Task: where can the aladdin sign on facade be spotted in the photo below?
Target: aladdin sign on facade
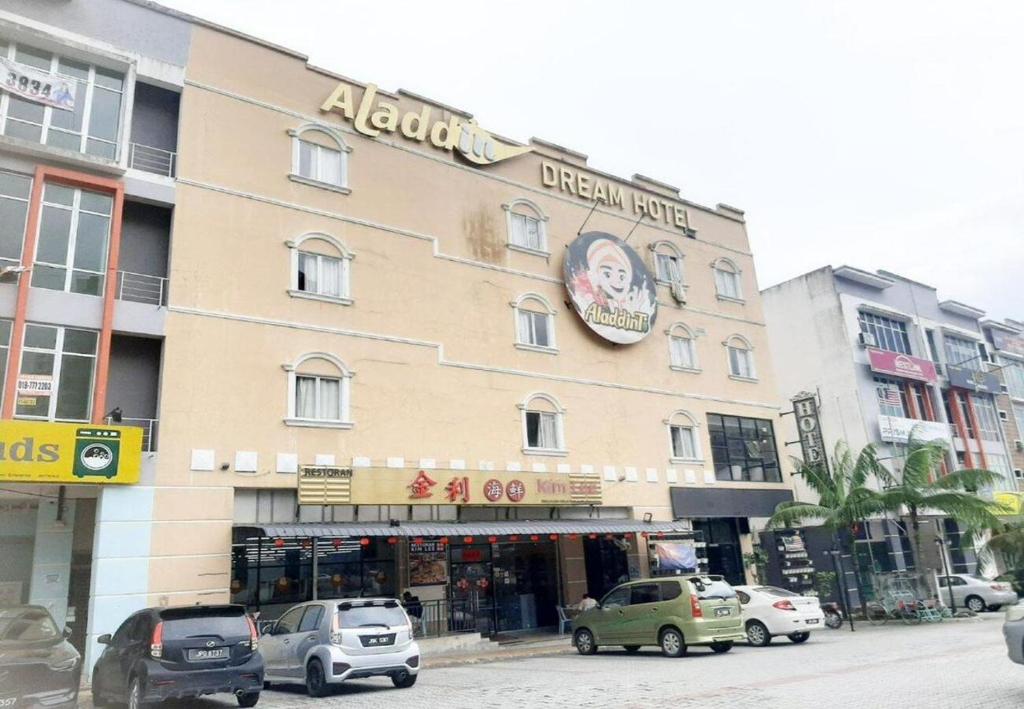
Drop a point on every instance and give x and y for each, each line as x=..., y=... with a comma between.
x=901, y=365
x=372, y=117
x=610, y=287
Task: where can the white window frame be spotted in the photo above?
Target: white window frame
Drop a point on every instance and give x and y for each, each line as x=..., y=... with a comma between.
x=343, y=254
x=684, y=419
x=76, y=211
x=559, y=414
x=525, y=205
x=680, y=331
x=58, y=355
x=522, y=342
x=294, y=370
x=740, y=344
x=727, y=268
x=667, y=248
x=342, y=148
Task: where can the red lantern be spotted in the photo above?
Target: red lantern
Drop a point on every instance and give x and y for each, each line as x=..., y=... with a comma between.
x=514, y=538
x=392, y=540
x=364, y=542
x=534, y=538
x=443, y=540
x=574, y=537
x=592, y=536
x=278, y=543
x=336, y=543
x=553, y=537
x=643, y=534
x=629, y=535
x=467, y=540
x=492, y=539
x=417, y=540
x=661, y=535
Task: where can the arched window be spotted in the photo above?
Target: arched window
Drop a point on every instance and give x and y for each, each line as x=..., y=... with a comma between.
x=668, y=263
x=727, y=279
x=527, y=227
x=682, y=348
x=320, y=157
x=318, y=391
x=543, y=420
x=741, y=357
x=320, y=268
x=535, y=323
x=683, y=438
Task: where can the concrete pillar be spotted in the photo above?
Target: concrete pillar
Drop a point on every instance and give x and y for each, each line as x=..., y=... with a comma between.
x=51, y=558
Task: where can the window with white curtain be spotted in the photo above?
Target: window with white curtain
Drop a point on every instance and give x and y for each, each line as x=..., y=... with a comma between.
x=682, y=348
x=318, y=391
x=683, y=442
x=321, y=268
x=526, y=225
x=526, y=232
x=741, y=358
x=543, y=426
x=541, y=430
x=727, y=279
x=534, y=323
x=320, y=274
x=320, y=157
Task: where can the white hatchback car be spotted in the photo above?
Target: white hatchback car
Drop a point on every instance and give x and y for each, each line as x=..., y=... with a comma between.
x=770, y=611
x=324, y=643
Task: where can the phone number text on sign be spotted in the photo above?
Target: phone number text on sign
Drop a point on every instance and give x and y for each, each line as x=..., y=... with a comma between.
x=34, y=85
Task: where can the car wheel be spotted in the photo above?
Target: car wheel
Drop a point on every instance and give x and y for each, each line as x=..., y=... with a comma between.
x=757, y=634
x=672, y=644
x=248, y=699
x=975, y=604
x=316, y=682
x=266, y=684
x=135, y=695
x=404, y=679
x=584, y=642
x=632, y=648
x=719, y=648
x=798, y=637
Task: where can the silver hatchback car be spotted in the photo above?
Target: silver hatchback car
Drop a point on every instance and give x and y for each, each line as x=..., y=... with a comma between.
x=325, y=643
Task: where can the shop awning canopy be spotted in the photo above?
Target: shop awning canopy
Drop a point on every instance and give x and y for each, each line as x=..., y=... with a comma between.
x=458, y=529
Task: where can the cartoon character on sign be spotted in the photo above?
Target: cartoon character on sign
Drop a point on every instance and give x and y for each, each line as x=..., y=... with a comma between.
x=515, y=490
x=457, y=488
x=63, y=97
x=493, y=490
x=420, y=487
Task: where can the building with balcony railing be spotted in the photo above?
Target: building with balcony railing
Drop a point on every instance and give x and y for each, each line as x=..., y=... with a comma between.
x=890, y=360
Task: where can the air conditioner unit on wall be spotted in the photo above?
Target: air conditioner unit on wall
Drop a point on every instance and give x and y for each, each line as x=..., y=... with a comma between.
x=1019, y=445
x=678, y=292
x=866, y=339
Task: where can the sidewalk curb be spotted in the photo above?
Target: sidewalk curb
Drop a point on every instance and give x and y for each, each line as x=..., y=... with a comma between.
x=497, y=656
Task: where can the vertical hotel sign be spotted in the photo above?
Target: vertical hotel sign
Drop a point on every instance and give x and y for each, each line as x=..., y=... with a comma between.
x=808, y=422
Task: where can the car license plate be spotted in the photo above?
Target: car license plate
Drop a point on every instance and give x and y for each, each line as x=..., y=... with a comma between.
x=378, y=640
x=812, y=621
x=723, y=611
x=217, y=653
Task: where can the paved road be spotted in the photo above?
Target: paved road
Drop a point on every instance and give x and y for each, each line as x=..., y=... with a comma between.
x=960, y=665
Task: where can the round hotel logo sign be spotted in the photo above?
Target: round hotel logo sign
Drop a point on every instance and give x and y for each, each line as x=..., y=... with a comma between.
x=610, y=287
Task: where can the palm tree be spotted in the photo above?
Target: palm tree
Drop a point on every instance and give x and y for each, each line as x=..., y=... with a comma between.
x=1007, y=543
x=920, y=486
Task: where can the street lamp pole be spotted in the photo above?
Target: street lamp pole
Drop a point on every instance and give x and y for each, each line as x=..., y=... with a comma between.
x=941, y=543
x=837, y=564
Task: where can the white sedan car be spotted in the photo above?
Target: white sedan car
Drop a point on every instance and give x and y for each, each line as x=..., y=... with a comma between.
x=770, y=611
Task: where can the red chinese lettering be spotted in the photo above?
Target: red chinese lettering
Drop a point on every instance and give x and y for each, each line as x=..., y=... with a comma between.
x=515, y=490
x=493, y=490
x=456, y=489
x=420, y=487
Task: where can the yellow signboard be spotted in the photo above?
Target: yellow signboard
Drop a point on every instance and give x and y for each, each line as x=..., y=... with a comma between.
x=404, y=486
x=69, y=453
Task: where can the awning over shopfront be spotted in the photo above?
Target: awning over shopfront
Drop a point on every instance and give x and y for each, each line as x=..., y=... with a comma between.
x=459, y=529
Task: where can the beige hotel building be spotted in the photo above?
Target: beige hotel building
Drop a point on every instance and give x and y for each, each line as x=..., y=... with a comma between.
x=398, y=350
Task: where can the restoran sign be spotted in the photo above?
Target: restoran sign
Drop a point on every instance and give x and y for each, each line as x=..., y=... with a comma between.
x=68, y=453
x=372, y=117
x=403, y=486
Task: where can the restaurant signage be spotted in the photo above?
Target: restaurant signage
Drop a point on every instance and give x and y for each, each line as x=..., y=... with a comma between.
x=973, y=380
x=402, y=486
x=610, y=287
x=901, y=365
x=371, y=117
x=895, y=429
x=69, y=453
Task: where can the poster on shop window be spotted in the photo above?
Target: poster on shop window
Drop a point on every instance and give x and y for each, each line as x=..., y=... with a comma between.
x=428, y=564
x=610, y=287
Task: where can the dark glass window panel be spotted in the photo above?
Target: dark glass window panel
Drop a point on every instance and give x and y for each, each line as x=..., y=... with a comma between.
x=105, y=114
x=80, y=341
x=75, y=388
x=533, y=429
x=33, y=57
x=86, y=283
x=12, y=227
x=50, y=277
x=91, y=242
x=14, y=185
x=100, y=149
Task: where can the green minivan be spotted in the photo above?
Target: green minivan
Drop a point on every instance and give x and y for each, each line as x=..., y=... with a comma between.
x=671, y=613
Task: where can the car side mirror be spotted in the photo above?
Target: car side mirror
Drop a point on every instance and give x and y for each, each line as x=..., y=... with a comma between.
x=104, y=639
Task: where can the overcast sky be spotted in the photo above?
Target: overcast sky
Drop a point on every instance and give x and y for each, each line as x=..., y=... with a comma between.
x=875, y=134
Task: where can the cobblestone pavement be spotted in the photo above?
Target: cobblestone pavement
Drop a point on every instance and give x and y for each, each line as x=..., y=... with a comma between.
x=958, y=664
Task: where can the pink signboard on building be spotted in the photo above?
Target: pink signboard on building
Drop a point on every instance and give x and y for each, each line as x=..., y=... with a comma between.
x=902, y=365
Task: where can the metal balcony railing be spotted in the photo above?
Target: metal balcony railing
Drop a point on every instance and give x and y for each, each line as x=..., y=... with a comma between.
x=149, y=159
x=141, y=288
x=149, y=431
